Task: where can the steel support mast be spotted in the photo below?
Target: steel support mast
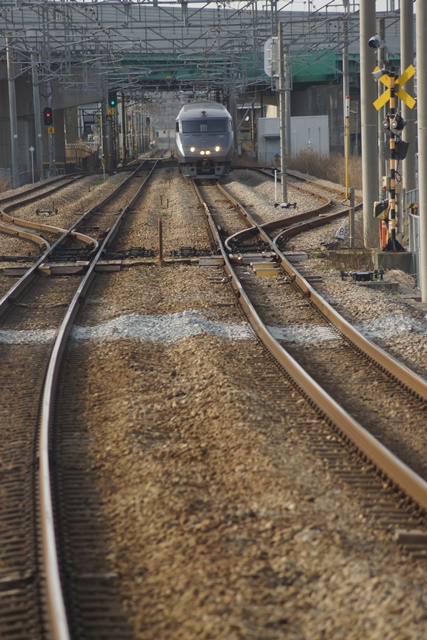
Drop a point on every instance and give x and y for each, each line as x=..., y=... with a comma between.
x=421, y=47
x=369, y=124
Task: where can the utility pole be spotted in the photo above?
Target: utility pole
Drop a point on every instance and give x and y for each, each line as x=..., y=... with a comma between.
x=421, y=48
x=369, y=124
x=124, y=154
x=282, y=115
x=107, y=132
x=37, y=115
x=346, y=94
x=51, y=134
x=382, y=56
x=12, y=116
x=407, y=59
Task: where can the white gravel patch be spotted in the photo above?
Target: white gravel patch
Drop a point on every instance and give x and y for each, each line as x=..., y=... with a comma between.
x=300, y=334
x=173, y=327
x=388, y=327
x=167, y=328
x=27, y=337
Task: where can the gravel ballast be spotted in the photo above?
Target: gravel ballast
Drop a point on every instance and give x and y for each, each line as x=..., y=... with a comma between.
x=222, y=521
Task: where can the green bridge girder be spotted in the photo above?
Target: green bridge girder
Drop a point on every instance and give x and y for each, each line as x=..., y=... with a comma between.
x=308, y=67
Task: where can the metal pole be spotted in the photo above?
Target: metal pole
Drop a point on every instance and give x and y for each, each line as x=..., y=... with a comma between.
x=13, y=117
x=124, y=154
x=421, y=48
x=233, y=111
x=368, y=124
x=351, y=219
x=50, y=136
x=107, y=144
x=409, y=115
x=282, y=115
x=32, y=163
x=347, y=143
x=288, y=88
x=381, y=112
x=37, y=118
x=345, y=74
x=345, y=25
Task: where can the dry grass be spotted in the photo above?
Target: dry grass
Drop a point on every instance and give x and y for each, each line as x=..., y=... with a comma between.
x=4, y=185
x=325, y=167
x=349, y=260
x=328, y=167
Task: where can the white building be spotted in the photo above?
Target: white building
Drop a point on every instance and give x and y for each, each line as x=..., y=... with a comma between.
x=307, y=132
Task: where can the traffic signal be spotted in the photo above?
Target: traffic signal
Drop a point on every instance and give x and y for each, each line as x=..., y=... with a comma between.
x=398, y=123
x=112, y=98
x=147, y=121
x=48, y=116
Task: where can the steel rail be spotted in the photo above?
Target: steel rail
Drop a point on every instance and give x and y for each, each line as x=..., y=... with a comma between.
x=25, y=281
x=33, y=191
x=315, y=183
x=397, y=471
x=298, y=223
x=69, y=179
x=41, y=226
x=55, y=599
x=401, y=373
x=298, y=176
x=25, y=235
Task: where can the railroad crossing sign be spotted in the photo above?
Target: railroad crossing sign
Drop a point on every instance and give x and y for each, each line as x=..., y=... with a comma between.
x=399, y=92
x=393, y=125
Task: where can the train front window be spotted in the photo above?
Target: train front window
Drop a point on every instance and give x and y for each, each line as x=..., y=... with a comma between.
x=218, y=125
x=214, y=125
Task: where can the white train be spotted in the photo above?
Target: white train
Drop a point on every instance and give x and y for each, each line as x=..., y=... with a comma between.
x=204, y=140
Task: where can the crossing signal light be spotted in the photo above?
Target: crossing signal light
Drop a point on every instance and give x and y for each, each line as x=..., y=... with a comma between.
x=398, y=123
x=112, y=98
x=48, y=116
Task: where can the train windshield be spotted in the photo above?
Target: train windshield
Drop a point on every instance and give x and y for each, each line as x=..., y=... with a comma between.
x=212, y=125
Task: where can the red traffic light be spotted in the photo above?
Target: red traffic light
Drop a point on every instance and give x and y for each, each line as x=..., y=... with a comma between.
x=48, y=116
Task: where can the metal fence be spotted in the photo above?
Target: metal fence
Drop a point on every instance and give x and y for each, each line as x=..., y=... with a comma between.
x=412, y=198
x=414, y=245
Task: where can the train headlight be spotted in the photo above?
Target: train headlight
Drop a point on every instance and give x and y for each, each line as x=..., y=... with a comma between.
x=217, y=149
x=192, y=149
x=202, y=153
x=208, y=153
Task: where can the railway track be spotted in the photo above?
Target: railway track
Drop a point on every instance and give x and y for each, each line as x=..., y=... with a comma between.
x=14, y=226
x=43, y=309
x=172, y=437
x=325, y=355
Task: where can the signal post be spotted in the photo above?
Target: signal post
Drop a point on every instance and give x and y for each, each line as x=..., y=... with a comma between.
x=48, y=123
x=386, y=210
x=109, y=118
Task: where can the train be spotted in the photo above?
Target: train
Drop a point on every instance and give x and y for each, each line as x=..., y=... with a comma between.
x=204, y=140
